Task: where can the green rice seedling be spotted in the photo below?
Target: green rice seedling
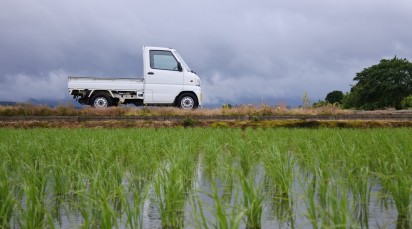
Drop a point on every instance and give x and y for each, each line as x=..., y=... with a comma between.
x=360, y=184
x=336, y=215
x=225, y=216
x=200, y=219
x=98, y=203
x=218, y=162
x=34, y=186
x=399, y=186
x=323, y=185
x=170, y=197
x=279, y=178
x=139, y=184
x=105, y=214
x=245, y=150
x=394, y=174
x=61, y=189
x=310, y=201
x=245, y=159
x=133, y=208
x=226, y=176
x=60, y=181
x=84, y=206
x=253, y=197
x=77, y=185
x=173, y=184
x=282, y=207
x=279, y=170
x=7, y=200
x=101, y=177
x=210, y=154
x=110, y=178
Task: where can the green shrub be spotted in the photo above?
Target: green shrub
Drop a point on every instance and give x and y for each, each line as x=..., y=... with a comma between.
x=189, y=122
x=406, y=103
x=320, y=103
x=255, y=118
x=227, y=106
x=219, y=125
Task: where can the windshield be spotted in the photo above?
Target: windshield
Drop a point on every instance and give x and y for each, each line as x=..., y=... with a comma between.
x=182, y=61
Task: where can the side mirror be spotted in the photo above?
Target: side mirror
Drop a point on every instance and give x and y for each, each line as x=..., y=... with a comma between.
x=179, y=67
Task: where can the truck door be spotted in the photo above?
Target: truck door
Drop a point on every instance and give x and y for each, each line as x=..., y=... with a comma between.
x=164, y=77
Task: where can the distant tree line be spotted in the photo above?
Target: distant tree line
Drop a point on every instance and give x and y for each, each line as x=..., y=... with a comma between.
x=384, y=85
x=6, y=103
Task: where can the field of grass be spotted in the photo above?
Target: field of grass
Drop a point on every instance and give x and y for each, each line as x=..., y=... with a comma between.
x=205, y=178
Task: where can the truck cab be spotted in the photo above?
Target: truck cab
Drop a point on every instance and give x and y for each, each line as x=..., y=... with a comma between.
x=167, y=77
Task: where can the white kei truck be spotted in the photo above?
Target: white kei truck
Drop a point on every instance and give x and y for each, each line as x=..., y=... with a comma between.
x=167, y=80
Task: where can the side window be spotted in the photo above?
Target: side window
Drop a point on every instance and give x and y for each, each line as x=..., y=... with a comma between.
x=163, y=60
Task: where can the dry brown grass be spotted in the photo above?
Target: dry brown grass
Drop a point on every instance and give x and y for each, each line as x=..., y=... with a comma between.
x=249, y=110
x=210, y=124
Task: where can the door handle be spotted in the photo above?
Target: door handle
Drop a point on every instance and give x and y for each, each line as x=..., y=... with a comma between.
x=150, y=73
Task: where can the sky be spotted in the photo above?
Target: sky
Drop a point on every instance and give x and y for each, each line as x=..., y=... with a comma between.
x=246, y=52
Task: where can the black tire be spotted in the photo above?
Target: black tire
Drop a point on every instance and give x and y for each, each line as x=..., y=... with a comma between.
x=187, y=101
x=101, y=101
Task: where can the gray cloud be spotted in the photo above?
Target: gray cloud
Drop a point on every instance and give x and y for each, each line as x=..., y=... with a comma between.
x=244, y=51
x=51, y=86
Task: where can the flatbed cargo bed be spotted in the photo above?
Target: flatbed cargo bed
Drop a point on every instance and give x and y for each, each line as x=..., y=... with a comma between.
x=97, y=83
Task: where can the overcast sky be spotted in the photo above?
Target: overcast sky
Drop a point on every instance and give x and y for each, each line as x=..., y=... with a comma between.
x=245, y=52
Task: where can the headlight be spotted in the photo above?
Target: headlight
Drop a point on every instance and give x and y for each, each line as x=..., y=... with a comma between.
x=197, y=82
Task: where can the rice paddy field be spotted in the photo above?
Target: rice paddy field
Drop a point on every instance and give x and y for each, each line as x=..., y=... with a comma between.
x=205, y=178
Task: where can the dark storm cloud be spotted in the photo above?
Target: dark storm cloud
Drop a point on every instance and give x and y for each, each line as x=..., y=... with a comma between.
x=244, y=51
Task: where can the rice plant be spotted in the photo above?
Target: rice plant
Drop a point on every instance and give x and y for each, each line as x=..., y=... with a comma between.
x=253, y=197
x=6, y=201
x=205, y=177
x=279, y=166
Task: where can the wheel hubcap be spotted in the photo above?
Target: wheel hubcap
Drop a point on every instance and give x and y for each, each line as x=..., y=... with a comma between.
x=100, y=102
x=187, y=102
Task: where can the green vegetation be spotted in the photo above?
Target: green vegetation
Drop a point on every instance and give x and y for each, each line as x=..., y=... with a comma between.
x=381, y=86
x=205, y=178
x=406, y=103
x=334, y=97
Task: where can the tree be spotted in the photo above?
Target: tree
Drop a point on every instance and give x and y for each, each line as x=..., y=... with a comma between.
x=334, y=97
x=382, y=85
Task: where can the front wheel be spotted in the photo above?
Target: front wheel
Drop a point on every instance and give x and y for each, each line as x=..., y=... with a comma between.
x=101, y=101
x=187, y=101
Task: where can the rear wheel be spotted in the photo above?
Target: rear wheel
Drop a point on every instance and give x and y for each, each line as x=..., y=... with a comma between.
x=101, y=101
x=187, y=101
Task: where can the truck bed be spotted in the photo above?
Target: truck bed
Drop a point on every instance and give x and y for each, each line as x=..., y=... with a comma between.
x=97, y=83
